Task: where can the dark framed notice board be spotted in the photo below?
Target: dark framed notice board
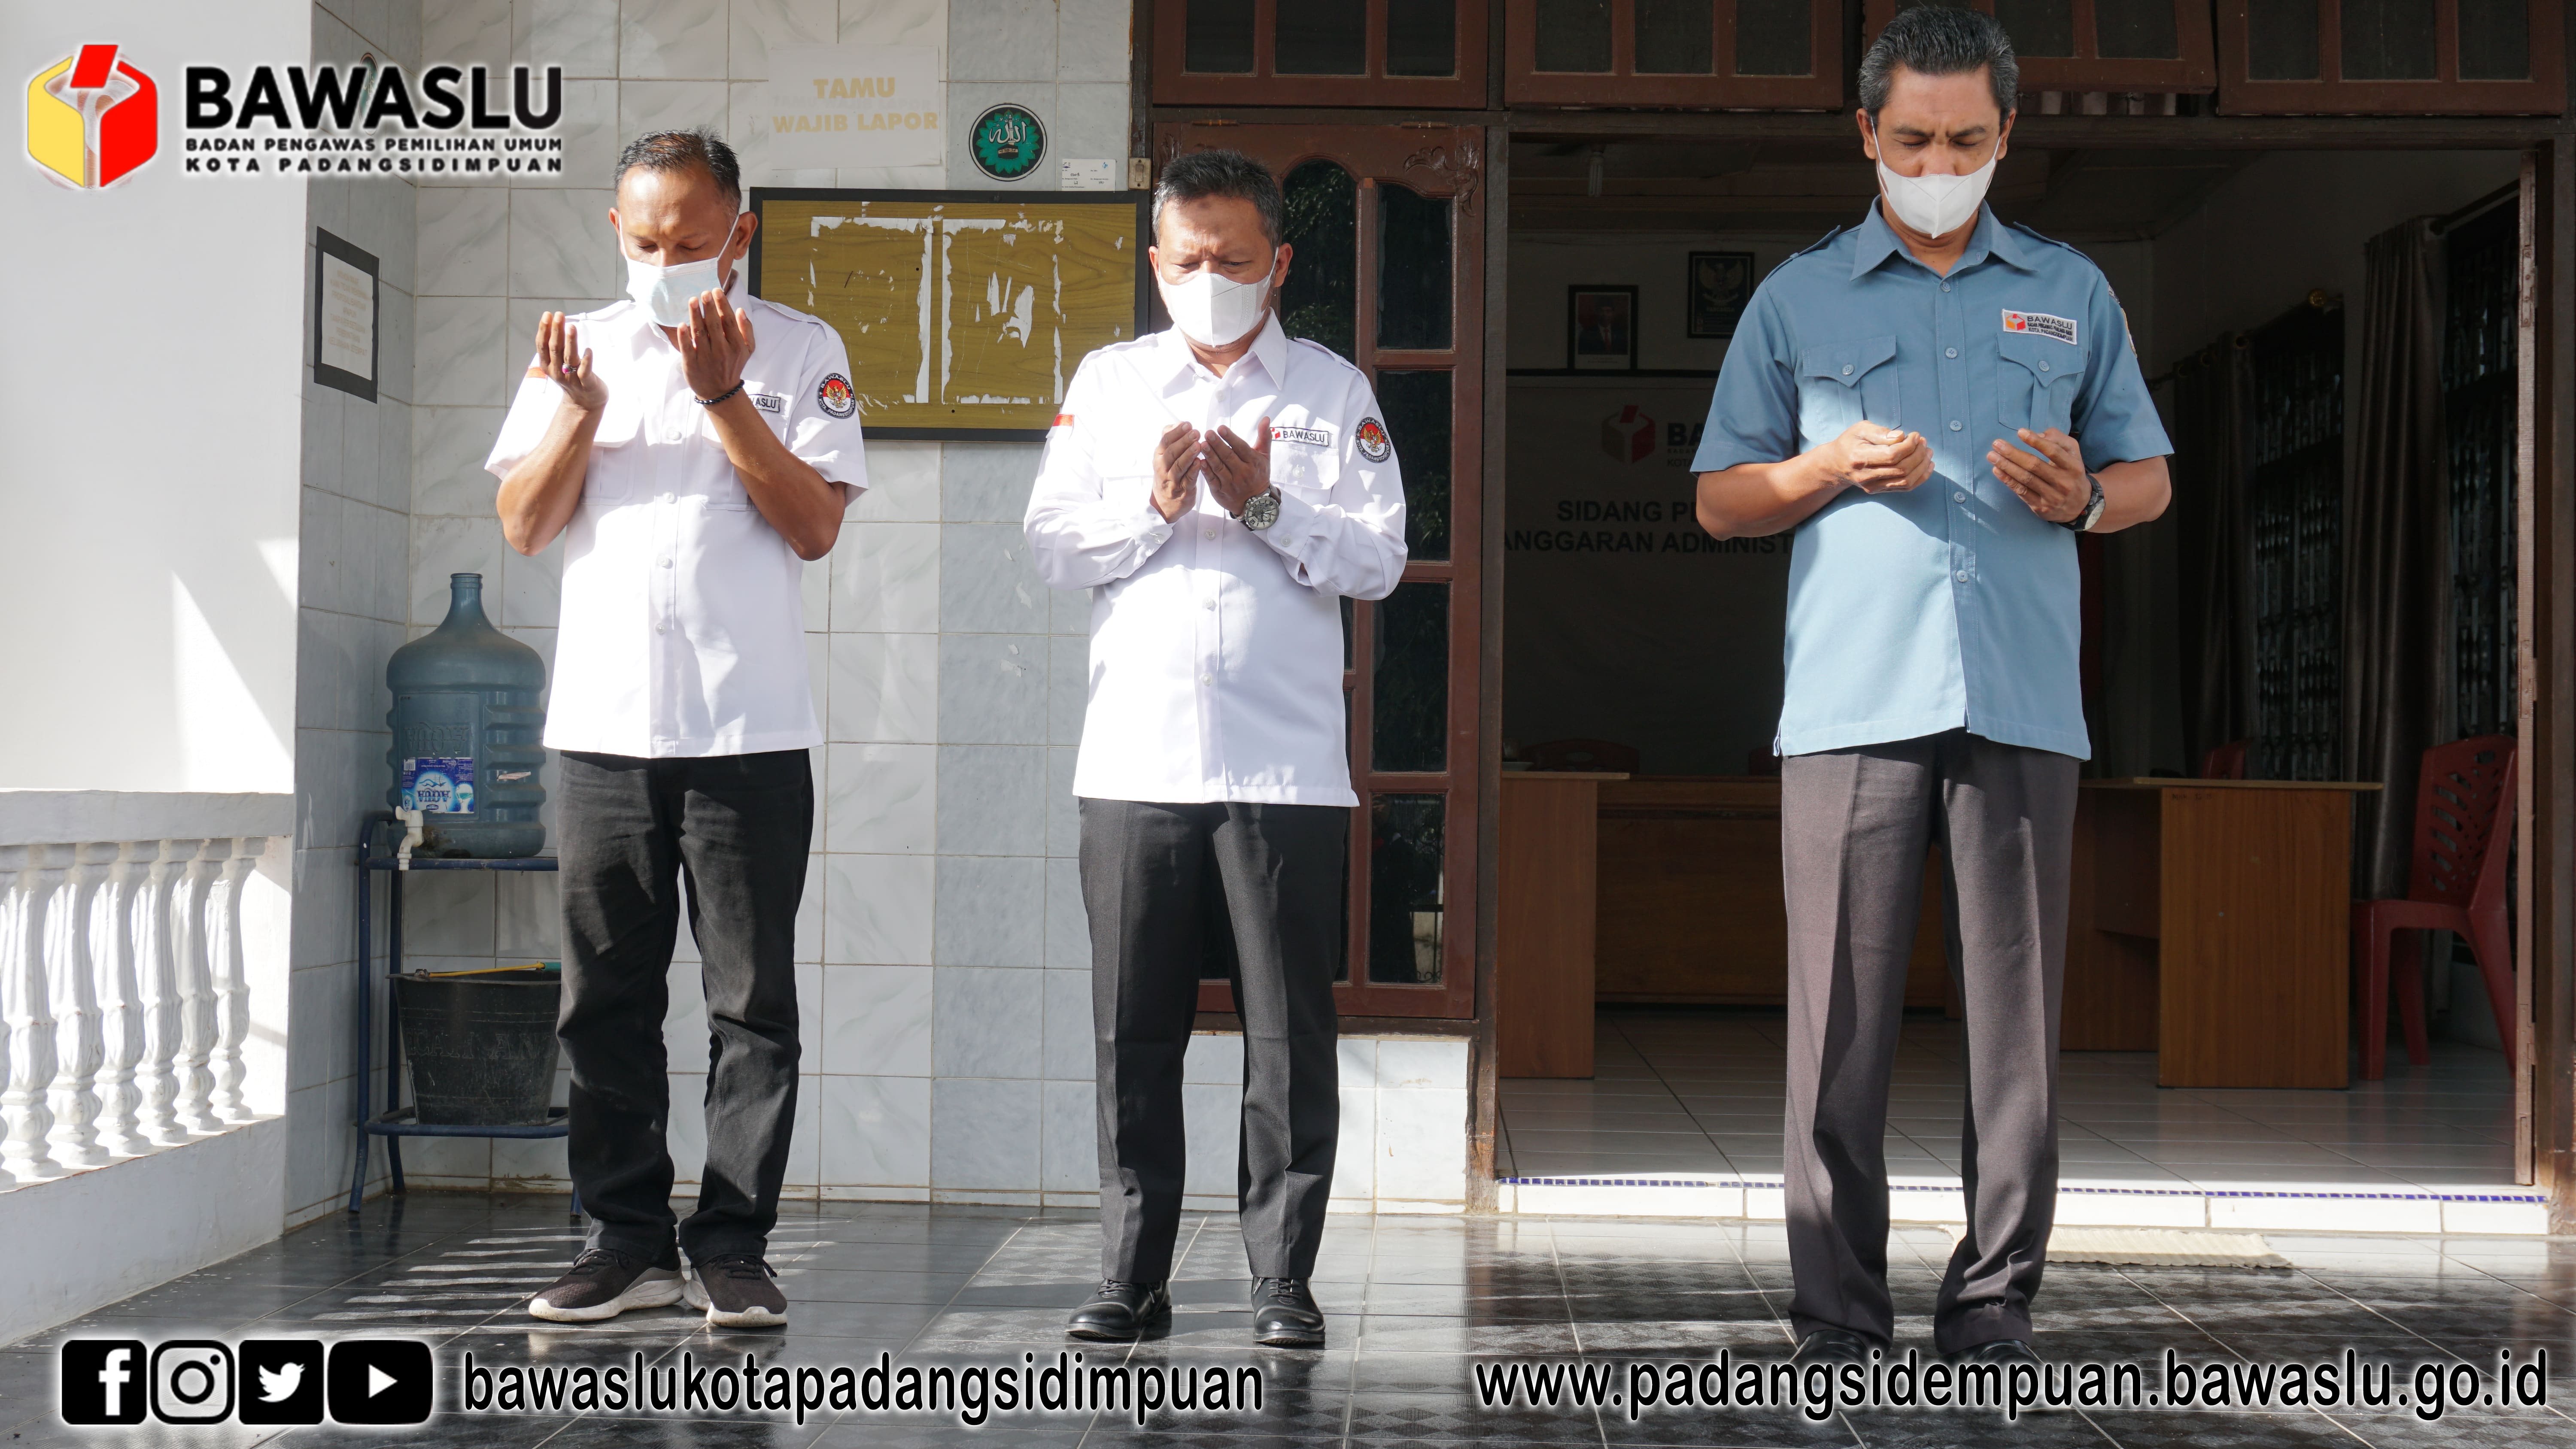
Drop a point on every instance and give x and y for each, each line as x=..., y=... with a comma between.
x=965, y=312
x=345, y=313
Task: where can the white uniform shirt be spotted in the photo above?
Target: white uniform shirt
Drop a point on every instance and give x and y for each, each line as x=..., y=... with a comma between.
x=1216, y=652
x=683, y=616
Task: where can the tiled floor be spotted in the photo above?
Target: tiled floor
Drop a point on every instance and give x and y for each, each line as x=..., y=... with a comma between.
x=1699, y=1091
x=1414, y=1304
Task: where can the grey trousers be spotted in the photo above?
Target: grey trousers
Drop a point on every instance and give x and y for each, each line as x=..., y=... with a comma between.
x=1854, y=828
x=1174, y=892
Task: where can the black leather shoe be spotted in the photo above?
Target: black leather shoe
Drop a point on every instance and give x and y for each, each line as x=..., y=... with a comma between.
x=1835, y=1345
x=1284, y=1314
x=2004, y=1351
x=1120, y=1312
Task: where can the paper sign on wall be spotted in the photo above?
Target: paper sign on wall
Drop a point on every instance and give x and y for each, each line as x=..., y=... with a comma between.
x=856, y=105
x=1074, y=175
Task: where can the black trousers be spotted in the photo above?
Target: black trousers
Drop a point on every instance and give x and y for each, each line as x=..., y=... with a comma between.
x=737, y=827
x=1172, y=890
x=1854, y=828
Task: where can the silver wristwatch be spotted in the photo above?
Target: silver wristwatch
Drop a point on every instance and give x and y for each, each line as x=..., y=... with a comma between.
x=1261, y=510
x=2092, y=514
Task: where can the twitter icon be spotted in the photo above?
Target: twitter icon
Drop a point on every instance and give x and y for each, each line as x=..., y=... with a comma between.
x=281, y=1381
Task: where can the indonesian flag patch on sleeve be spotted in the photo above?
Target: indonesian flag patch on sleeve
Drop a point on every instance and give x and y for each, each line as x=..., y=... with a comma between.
x=1062, y=420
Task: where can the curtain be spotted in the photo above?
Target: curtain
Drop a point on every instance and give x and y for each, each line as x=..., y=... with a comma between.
x=2210, y=401
x=2396, y=572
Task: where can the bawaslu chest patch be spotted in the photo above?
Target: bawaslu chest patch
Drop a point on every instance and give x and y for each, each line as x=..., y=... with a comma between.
x=2040, y=324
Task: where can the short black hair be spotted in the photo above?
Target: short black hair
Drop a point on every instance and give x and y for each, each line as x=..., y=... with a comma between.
x=1931, y=38
x=698, y=147
x=1223, y=173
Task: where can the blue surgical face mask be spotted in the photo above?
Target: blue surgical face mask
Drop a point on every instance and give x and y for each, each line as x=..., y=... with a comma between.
x=665, y=291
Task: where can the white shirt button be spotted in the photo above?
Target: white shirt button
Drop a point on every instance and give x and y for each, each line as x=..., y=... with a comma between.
x=666, y=563
x=1207, y=603
x=1846, y=369
x=1945, y=286
x=1211, y=533
x=1963, y=576
x=1953, y=352
x=1958, y=497
x=2043, y=367
x=1211, y=679
x=1955, y=425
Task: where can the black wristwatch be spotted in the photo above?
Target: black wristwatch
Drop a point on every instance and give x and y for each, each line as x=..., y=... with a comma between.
x=2092, y=514
x=1261, y=509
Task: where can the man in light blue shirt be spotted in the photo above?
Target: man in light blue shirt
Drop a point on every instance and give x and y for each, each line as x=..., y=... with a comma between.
x=1936, y=403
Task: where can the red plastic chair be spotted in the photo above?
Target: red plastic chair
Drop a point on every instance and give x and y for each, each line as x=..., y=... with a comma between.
x=2224, y=762
x=2463, y=838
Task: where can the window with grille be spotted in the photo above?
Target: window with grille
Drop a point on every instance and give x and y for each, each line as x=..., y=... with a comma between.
x=2482, y=260
x=1320, y=52
x=2295, y=500
x=1765, y=54
x=2093, y=45
x=2390, y=57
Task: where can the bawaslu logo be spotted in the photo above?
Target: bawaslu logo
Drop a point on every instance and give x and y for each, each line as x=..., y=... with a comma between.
x=92, y=117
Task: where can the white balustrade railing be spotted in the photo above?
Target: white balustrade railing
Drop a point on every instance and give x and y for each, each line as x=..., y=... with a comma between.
x=124, y=998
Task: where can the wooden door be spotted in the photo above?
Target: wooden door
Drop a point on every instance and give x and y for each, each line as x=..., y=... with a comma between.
x=1388, y=230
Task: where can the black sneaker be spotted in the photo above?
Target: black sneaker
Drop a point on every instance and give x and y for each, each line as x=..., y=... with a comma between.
x=1120, y=1312
x=738, y=1290
x=1835, y=1345
x=604, y=1283
x=1284, y=1314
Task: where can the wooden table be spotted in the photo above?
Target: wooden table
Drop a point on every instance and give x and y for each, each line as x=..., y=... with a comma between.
x=1691, y=904
x=1544, y=929
x=1652, y=889
x=2209, y=923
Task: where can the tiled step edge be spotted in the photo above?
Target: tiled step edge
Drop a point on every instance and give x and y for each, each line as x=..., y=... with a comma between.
x=2504, y=1209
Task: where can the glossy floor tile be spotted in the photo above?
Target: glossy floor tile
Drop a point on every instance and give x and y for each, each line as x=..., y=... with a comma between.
x=1698, y=1091
x=1423, y=1314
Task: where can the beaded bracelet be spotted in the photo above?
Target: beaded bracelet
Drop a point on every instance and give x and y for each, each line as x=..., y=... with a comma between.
x=708, y=402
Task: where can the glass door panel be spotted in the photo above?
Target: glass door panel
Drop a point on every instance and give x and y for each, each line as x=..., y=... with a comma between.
x=1388, y=272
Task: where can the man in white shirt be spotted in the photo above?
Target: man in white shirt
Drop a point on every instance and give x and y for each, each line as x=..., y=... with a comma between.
x=694, y=447
x=1220, y=489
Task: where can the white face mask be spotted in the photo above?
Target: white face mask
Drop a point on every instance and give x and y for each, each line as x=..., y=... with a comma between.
x=1937, y=205
x=1214, y=311
x=665, y=291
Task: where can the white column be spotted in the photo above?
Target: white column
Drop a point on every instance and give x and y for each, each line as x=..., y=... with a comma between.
x=116, y=943
x=71, y=982
x=190, y=940
x=231, y=982
x=25, y=1011
x=157, y=983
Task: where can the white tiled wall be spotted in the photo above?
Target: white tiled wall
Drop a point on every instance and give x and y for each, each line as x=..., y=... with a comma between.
x=353, y=600
x=945, y=967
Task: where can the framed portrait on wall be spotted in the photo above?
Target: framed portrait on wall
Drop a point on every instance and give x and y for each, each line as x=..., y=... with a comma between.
x=1719, y=285
x=1601, y=329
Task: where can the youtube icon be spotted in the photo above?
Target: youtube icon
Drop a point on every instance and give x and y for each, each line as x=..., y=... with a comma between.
x=380, y=1381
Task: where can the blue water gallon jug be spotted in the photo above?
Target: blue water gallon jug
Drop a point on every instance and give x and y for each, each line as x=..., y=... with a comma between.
x=467, y=733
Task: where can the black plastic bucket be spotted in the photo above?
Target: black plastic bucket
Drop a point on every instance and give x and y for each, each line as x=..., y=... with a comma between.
x=481, y=1044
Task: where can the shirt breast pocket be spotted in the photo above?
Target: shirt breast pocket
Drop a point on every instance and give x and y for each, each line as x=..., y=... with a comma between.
x=621, y=429
x=1842, y=383
x=1129, y=492
x=770, y=402
x=2037, y=384
x=1308, y=470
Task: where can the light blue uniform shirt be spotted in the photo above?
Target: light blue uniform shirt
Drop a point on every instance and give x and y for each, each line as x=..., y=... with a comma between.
x=1952, y=605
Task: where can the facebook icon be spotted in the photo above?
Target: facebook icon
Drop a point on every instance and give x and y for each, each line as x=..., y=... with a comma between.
x=102, y=1381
